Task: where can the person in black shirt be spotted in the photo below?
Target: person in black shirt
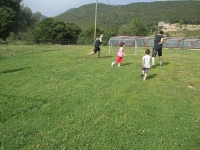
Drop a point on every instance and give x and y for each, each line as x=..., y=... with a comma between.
x=96, y=46
x=157, y=47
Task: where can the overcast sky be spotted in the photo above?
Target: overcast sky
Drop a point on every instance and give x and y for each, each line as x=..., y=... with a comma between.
x=52, y=8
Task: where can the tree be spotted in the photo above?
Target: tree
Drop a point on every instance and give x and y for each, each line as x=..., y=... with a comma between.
x=53, y=29
x=153, y=29
x=137, y=28
x=124, y=30
x=88, y=33
x=36, y=19
x=9, y=10
x=181, y=22
x=74, y=30
x=107, y=34
x=26, y=19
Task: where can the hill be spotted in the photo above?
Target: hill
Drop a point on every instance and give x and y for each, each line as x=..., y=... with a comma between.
x=42, y=17
x=151, y=13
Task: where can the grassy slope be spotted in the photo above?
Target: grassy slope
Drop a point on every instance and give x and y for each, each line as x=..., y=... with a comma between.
x=118, y=15
x=58, y=99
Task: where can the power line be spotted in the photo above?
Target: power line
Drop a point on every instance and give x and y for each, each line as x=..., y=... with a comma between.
x=113, y=11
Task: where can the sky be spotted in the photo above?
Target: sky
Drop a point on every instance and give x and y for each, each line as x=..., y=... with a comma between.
x=52, y=8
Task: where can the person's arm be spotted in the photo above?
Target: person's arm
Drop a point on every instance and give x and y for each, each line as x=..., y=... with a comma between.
x=142, y=63
x=161, y=41
x=121, y=51
x=100, y=38
x=123, y=54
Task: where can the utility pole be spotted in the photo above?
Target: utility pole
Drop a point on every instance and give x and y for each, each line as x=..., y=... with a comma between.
x=95, y=24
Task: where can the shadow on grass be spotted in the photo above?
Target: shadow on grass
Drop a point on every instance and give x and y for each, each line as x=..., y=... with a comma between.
x=125, y=64
x=1, y=57
x=106, y=56
x=38, y=103
x=151, y=76
x=163, y=64
x=14, y=70
x=102, y=57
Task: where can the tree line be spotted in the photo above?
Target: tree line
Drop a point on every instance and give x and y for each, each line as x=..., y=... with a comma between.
x=17, y=22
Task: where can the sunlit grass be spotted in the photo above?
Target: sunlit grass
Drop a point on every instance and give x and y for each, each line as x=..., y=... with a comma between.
x=52, y=97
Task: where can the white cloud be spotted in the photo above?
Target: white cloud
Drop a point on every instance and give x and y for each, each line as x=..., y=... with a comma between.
x=51, y=8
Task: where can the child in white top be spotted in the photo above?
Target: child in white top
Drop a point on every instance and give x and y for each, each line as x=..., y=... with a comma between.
x=120, y=55
x=146, y=64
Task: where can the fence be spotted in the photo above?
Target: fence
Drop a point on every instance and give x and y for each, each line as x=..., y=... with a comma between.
x=139, y=41
x=49, y=42
x=168, y=42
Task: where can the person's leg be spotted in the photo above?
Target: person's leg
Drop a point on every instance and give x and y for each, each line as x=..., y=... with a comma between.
x=153, y=57
x=94, y=52
x=116, y=61
x=142, y=72
x=112, y=64
x=98, y=50
x=145, y=75
x=161, y=60
x=91, y=53
x=99, y=54
x=152, y=61
x=146, y=70
x=120, y=61
x=160, y=56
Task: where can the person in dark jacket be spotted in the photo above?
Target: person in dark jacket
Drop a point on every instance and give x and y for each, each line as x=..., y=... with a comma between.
x=158, y=41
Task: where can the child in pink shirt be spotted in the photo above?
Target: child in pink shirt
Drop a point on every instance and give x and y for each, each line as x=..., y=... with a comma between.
x=120, y=55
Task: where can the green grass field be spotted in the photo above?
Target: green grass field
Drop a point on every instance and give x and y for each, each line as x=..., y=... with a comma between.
x=52, y=97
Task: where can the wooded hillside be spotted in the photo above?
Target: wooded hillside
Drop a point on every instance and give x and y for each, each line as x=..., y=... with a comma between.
x=149, y=12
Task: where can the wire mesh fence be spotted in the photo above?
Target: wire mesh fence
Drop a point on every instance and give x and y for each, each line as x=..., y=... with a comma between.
x=149, y=42
x=131, y=41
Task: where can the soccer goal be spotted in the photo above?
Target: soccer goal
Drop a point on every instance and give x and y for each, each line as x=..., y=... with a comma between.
x=130, y=45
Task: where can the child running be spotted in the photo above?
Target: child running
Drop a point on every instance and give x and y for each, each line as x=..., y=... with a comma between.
x=145, y=64
x=120, y=55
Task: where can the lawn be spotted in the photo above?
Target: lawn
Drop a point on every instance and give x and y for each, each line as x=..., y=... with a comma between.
x=52, y=97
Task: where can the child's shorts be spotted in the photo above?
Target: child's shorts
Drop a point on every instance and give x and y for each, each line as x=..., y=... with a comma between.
x=146, y=70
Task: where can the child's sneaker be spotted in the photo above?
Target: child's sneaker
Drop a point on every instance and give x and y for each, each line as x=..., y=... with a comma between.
x=112, y=63
x=119, y=65
x=160, y=63
x=152, y=66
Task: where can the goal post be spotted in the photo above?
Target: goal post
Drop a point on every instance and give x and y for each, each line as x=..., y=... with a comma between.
x=130, y=45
